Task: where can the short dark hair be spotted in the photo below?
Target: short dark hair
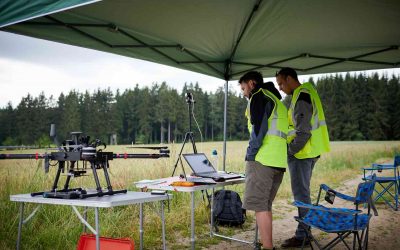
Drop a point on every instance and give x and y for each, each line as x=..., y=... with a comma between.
x=252, y=75
x=287, y=72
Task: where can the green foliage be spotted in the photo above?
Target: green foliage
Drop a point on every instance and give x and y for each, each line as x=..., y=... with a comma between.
x=141, y=115
x=9, y=141
x=360, y=107
x=43, y=141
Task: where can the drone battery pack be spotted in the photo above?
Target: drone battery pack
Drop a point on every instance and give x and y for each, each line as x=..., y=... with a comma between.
x=88, y=242
x=158, y=192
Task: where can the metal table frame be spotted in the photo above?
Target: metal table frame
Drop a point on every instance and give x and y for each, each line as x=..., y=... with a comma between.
x=94, y=202
x=163, y=185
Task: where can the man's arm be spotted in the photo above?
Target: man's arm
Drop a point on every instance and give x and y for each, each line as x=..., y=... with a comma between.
x=302, y=116
x=260, y=110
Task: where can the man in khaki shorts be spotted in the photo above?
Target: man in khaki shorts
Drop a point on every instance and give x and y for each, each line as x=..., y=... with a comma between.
x=266, y=156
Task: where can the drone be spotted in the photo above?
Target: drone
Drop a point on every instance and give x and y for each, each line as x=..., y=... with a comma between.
x=81, y=149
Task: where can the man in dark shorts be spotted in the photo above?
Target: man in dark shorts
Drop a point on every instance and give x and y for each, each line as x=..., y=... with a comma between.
x=266, y=156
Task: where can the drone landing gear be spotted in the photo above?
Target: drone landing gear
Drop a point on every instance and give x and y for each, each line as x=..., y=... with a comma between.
x=79, y=193
x=99, y=191
x=65, y=194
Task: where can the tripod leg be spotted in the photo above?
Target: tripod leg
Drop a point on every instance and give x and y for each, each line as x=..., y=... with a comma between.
x=183, y=169
x=191, y=137
x=180, y=153
x=188, y=136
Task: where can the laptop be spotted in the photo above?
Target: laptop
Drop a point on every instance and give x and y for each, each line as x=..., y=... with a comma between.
x=202, y=167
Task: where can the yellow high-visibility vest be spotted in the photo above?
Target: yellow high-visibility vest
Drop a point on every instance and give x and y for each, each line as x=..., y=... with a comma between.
x=273, y=151
x=319, y=140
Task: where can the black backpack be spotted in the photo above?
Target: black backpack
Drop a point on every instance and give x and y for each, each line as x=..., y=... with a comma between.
x=228, y=208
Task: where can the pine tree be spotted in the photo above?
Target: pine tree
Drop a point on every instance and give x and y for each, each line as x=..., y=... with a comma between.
x=71, y=116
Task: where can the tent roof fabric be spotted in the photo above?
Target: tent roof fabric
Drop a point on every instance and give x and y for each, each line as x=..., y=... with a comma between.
x=18, y=11
x=224, y=38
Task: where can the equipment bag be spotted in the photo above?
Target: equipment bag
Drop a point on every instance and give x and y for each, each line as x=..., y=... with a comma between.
x=227, y=208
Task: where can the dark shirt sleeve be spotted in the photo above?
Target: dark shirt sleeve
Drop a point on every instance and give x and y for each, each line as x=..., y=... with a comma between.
x=260, y=110
x=302, y=116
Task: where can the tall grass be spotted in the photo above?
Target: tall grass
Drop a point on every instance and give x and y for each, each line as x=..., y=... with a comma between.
x=57, y=227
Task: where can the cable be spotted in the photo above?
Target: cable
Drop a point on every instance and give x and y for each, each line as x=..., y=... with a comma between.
x=198, y=127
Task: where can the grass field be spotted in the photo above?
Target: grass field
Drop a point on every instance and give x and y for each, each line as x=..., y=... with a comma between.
x=57, y=227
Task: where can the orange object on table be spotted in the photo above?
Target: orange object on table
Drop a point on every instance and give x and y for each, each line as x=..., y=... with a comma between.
x=182, y=184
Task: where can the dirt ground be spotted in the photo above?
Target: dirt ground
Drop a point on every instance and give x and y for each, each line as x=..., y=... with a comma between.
x=384, y=228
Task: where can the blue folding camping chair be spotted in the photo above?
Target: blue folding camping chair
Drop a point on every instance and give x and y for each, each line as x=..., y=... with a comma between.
x=342, y=221
x=388, y=179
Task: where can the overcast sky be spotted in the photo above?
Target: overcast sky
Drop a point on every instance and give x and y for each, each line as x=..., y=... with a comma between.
x=29, y=65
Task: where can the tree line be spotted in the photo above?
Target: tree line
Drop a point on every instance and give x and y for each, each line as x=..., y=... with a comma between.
x=361, y=107
x=357, y=107
x=152, y=114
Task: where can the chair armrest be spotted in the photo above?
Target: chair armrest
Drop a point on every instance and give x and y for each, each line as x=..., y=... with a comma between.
x=326, y=209
x=383, y=166
x=338, y=194
x=379, y=167
x=371, y=168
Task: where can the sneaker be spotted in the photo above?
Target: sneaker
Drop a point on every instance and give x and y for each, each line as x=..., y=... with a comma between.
x=260, y=247
x=294, y=242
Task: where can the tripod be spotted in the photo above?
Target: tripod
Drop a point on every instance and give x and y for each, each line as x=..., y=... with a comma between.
x=188, y=135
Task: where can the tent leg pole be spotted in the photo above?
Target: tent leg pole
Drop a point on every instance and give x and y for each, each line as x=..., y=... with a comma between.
x=225, y=123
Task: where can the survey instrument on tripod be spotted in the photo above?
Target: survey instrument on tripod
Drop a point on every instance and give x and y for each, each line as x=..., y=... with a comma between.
x=188, y=135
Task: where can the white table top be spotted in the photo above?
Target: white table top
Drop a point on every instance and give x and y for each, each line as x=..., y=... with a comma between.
x=164, y=184
x=105, y=201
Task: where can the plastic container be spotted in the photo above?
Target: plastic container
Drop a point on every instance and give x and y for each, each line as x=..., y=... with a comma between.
x=214, y=159
x=88, y=242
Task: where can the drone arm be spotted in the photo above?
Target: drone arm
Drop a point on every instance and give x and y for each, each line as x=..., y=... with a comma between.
x=140, y=156
x=22, y=156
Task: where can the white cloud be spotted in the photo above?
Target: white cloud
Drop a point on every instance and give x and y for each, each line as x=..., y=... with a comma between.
x=18, y=78
x=29, y=65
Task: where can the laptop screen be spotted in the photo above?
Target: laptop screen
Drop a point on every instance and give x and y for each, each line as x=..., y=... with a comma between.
x=199, y=163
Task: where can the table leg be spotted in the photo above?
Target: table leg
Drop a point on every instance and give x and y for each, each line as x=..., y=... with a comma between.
x=21, y=219
x=141, y=226
x=96, y=216
x=256, y=237
x=163, y=225
x=192, y=239
x=85, y=218
x=212, y=212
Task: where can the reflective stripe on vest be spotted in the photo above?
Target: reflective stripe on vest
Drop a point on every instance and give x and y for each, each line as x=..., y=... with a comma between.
x=315, y=126
x=247, y=114
x=273, y=130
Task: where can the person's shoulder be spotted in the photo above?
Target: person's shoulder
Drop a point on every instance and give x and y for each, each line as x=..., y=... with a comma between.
x=304, y=96
x=259, y=95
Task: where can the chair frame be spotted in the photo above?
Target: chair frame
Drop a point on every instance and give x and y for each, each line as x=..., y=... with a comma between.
x=360, y=239
x=386, y=182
